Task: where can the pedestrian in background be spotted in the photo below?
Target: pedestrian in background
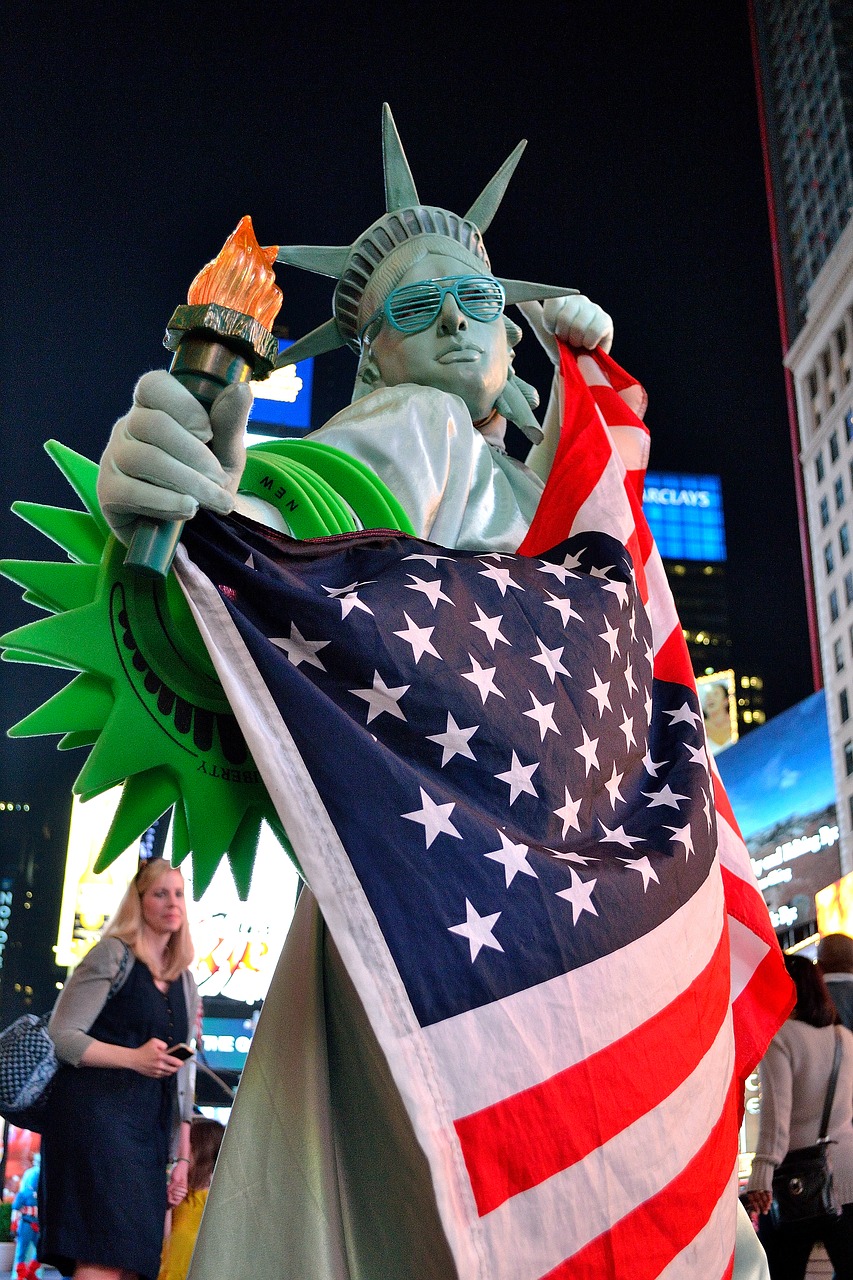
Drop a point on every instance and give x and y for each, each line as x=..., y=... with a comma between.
x=205, y=1140
x=794, y=1075
x=121, y=1105
x=835, y=957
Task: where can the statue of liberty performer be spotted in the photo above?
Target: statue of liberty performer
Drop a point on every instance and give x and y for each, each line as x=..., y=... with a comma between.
x=329, y=1169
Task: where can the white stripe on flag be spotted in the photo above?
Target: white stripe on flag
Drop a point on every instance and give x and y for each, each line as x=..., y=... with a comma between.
x=624, y=990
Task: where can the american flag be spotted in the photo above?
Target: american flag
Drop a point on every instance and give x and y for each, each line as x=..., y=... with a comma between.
x=493, y=771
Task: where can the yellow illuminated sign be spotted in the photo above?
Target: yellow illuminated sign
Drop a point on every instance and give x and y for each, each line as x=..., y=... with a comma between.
x=835, y=906
x=88, y=900
x=719, y=709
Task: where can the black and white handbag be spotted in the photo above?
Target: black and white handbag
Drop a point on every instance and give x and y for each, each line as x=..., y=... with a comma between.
x=28, y=1063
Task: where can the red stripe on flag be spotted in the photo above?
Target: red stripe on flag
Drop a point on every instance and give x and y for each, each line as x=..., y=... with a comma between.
x=672, y=661
x=722, y=804
x=646, y=1240
x=745, y=903
x=759, y=1010
x=582, y=454
x=519, y=1142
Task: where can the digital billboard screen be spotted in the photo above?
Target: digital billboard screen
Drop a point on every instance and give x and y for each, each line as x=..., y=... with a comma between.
x=685, y=514
x=282, y=404
x=779, y=780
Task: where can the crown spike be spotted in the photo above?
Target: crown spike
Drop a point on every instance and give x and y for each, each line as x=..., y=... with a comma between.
x=322, y=259
x=400, y=192
x=488, y=201
x=527, y=291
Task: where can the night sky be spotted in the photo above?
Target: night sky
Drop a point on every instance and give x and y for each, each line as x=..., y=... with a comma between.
x=133, y=145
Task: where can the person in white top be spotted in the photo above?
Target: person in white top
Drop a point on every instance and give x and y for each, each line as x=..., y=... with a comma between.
x=794, y=1075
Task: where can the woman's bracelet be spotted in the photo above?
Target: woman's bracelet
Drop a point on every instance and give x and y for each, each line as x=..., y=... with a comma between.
x=178, y=1160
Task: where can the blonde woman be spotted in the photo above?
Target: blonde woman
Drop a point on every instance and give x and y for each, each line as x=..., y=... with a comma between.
x=116, y=1138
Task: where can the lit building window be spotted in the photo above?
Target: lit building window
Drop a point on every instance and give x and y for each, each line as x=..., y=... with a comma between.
x=838, y=652
x=824, y=512
x=833, y=605
x=844, y=539
x=829, y=557
x=833, y=447
x=839, y=492
x=818, y=467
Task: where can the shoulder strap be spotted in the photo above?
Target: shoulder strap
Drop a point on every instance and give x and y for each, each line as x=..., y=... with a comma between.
x=830, y=1092
x=119, y=980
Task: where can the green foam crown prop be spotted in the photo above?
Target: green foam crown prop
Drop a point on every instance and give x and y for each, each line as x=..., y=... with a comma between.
x=146, y=699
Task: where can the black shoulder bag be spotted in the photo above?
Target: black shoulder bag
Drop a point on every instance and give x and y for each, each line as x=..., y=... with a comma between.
x=802, y=1183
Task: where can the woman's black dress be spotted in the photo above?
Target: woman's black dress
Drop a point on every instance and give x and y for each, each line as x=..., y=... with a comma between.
x=102, y=1190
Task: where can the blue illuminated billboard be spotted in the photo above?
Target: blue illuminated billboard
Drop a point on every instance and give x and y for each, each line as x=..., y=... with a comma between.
x=282, y=404
x=685, y=514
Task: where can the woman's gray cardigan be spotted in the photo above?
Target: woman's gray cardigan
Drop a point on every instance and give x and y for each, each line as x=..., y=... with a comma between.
x=85, y=995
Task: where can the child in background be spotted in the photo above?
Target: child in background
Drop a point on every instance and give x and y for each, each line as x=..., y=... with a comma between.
x=205, y=1140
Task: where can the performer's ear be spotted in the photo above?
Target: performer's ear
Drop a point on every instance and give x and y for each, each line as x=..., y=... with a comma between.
x=368, y=378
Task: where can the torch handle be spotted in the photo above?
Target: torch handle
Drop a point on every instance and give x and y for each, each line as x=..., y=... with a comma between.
x=204, y=364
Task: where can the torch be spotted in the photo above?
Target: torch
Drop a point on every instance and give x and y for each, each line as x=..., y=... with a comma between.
x=222, y=335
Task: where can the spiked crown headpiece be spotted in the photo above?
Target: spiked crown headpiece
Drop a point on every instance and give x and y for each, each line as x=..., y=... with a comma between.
x=357, y=267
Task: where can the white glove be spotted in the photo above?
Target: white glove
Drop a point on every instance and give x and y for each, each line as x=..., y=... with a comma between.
x=574, y=320
x=157, y=462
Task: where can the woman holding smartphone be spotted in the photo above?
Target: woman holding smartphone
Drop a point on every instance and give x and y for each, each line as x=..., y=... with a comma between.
x=116, y=1136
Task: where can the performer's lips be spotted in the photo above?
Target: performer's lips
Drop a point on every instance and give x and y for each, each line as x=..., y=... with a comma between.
x=463, y=354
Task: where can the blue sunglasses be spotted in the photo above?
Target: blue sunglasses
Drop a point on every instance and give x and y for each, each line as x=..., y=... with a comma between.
x=414, y=307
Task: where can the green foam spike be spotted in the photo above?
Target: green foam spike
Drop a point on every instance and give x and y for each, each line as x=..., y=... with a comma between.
x=82, y=474
x=60, y=586
x=36, y=659
x=180, y=837
x=75, y=531
x=242, y=850
x=81, y=634
x=84, y=704
x=144, y=798
x=86, y=738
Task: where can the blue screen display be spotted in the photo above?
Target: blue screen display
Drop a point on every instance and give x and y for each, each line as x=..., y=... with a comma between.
x=685, y=514
x=283, y=400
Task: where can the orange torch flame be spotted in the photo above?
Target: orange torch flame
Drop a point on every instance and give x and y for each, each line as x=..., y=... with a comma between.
x=240, y=277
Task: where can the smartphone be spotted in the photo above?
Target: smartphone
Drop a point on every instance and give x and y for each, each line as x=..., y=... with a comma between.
x=182, y=1051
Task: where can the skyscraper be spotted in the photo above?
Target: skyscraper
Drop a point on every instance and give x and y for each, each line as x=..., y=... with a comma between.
x=803, y=56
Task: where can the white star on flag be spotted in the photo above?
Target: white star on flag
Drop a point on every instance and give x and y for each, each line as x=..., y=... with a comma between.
x=589, y=750
x=501, y=577
x=250, y=562
x=431, y=560
x=682, y=835
x=569, y=813
x=612, y=787
x=627, y=727
x=483, y=678
x=560, y=571
x=618, y=835
x=610, y=636
x=380, y=698
x=629, y=677
x=595, y=572
x=478, y=930
x=684, y=715
x=551, y=660
x=454, y=741
x=645, y=869
x=572, y=857
x=579, y=894
x=431, y=589
x=697, y=755
x=601, y=692
x=651, y=766
x=543, y=714
x=434, y=818
x=348, y=599
x=564, y=607
x=706, y=809
x=618, y=589
x=491, y=628
x=298, y=649
x=517, y=778
x=513, y=858
x=666, y=796
x=418, y=638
